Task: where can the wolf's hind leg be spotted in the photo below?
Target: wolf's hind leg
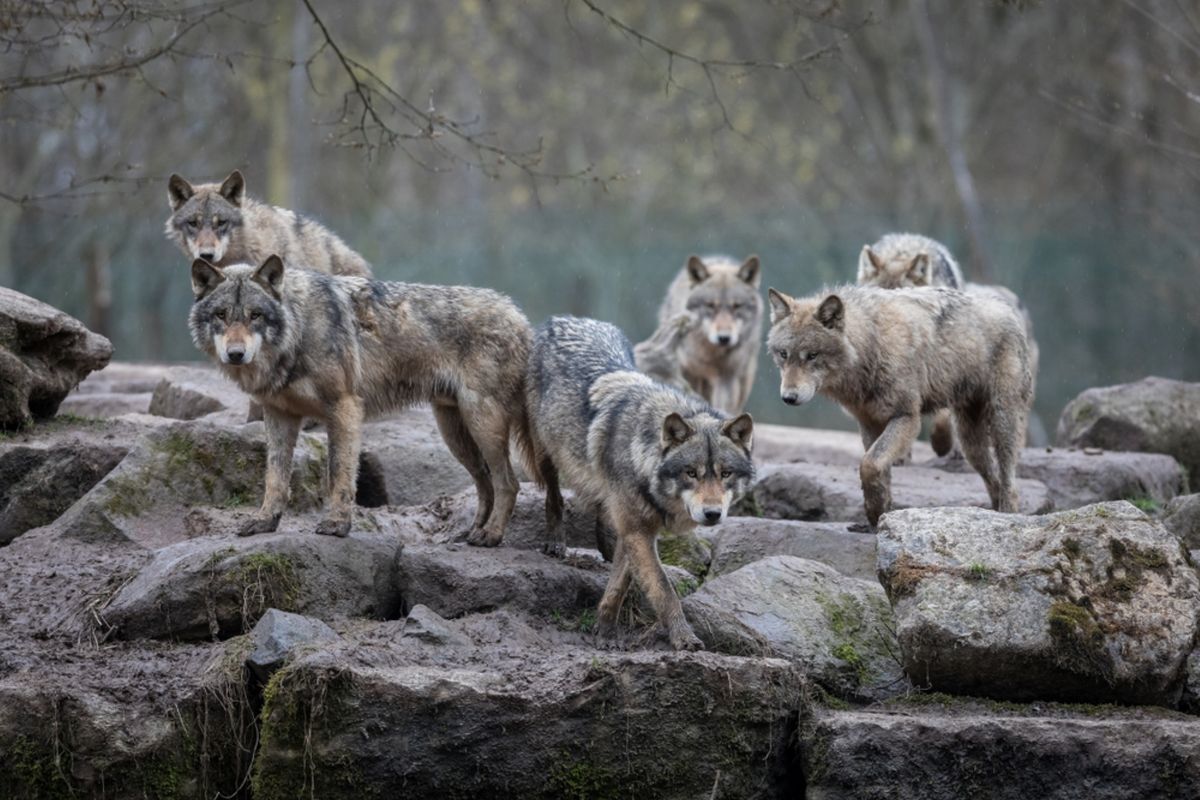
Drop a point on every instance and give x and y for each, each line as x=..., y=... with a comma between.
x=974, y=435
x=345, y=441
x=941, y=434
x=489, y=425
x=556, y=537
x=614, y=594
x=875, y=471
x=460, y=444
x=282, y=430
x=1007, y=434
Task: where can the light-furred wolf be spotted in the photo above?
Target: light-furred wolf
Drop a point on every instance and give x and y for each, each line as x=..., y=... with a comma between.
x=887, y=356
x=220, y=224
x=719, y=356
x=909, y=260
x=649, y=456
x=306, y=344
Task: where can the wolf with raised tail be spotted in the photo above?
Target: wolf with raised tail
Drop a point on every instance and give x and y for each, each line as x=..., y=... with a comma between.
x=647, y=455
x=337, y=349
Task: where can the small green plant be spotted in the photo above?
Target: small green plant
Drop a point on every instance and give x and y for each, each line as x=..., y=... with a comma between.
x=1147, y=505
x=978, y=572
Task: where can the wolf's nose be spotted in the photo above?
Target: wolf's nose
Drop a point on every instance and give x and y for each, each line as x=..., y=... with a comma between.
x=724, y=338
x=236, y=356
x=208, y=257
x=792, y=399
x=712, y=516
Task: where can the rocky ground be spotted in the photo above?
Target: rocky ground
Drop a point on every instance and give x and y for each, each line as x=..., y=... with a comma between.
x=146, y=651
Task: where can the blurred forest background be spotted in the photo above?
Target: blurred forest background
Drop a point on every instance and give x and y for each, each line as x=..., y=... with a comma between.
x=572, y=153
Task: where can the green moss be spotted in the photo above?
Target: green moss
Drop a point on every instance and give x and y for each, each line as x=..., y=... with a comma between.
x=854, y=642
x=685, y=550
x=32, y=769
x=1147, y=505
x=580, y=780
x=1079, y=642
x=127, y=497
x=977, y=571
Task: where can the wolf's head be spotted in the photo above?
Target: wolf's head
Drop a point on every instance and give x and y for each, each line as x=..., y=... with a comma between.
x=237, y=310
x=808, y=343
x=706, y=463
x=894, y=270
x=724, y=299
x=206, y=219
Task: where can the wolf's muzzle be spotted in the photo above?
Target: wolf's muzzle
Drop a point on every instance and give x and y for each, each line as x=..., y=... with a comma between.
x=236, y=353
x=712, y=516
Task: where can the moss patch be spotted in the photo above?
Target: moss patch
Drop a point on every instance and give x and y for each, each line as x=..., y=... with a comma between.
x=1078, y=640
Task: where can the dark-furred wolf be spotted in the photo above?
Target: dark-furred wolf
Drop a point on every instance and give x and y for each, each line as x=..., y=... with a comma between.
x=220, y=224
x=887, y=356
x=306, y=344
x=649, y=456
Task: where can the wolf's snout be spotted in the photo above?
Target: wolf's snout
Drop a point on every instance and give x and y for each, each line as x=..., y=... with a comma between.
x=236, y=354
x=208, y=255
x=724, y=339
x=791, y=398
x=712, y=516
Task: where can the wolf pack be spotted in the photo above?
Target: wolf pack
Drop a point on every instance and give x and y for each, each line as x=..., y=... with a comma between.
x=652, y=436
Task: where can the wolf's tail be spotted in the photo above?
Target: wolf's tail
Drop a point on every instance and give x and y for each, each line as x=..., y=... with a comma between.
x=531, y=453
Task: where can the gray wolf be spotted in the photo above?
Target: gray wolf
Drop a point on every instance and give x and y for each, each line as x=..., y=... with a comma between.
x=909, y=260
x=719, y=357
x=220, y=224
x=887, y=356
x=649, y=456
x=658, y=355
x=337, y=348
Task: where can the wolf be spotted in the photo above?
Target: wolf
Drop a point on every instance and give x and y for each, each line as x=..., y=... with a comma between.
x=339, y=348
x=887, y=356
x=220, y=224
x=719, y=357
x=910, y=260
x=649, y=456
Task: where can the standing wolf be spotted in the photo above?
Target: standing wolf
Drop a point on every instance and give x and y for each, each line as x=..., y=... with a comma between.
x=719, y=356
x=305, y=344
x=909, y=260
x=887, y=356
x=648, y=455
x=220, y=224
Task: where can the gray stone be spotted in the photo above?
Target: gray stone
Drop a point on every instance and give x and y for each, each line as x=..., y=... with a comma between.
x=1097, y=604
x=104, y=405
x=189, y=393
x=786, y=444
x=743, y=540
x=838, y=630
x=408, y=461
x=1155, y=415
x=276, y=637
x=216, y=587
x=815, y=492
x=872, y=755
x=1182, y=518
x=425, y=624
x=37, y=484
x=449, y=518
x=44, y=354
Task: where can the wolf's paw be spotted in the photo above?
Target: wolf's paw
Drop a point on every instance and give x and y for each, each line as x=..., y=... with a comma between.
x=555, y=549
x=334, y=526
x=259, y=523
x=682, y=638
x=860, y=527
x=482, y=537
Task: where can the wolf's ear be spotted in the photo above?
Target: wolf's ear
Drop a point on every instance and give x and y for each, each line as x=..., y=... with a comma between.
x=918, y=269
x=205, y=278
x=178, y=191
x=696, y=270
x=270, y=275
x=749, y=271
x=831, y=313
x=740, y=430
x=234, y=188
x=675, y=431
x=781, y=305
x=869, y=264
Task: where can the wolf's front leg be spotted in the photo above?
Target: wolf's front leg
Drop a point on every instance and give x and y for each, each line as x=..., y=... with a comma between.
x=876, y=468
x=282, y=429
x=614, y=595
x=345, y=440
x=637, y=540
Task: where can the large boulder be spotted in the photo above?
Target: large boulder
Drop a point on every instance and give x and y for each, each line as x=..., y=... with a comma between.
x=941, y=755
x=1154, y=415
x=743, y=540
x=192, y=392
x=217, y=587
x=815, y=492
x=554, y=721
x=1182, y=518
x=1099, y=604
x=44, y=354
x=837, y=629
x=405, y=457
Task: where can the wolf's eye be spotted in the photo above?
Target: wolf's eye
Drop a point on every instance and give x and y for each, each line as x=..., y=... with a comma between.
x=193, y=223
x=809, y=356
x=725, y=473
x=256, y=315
x=220, y=224
x=735, y=307
x=691, y=473
x=781, y=353
x=711, y=306
x=219, y=314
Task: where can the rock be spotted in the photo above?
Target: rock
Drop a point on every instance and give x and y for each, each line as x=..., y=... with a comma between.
x=105, y=405
x=687, y=550
x=1182, y=518
x=816, y=492
x=179, y=465
x=44, y=354
x=743, y=540
x=836, y=629
x=124, y=377
x=1154, y=415
x=457, y=579
x=216, y=587
x=1080, y=477
x=1098, y=604
x=411, y=461
x=870, y=755
x=424, y=624
x=571, y=722
x=785, y=444
x=1191, y=684
x=192, y=392
x=276, y=637
x=449, y=518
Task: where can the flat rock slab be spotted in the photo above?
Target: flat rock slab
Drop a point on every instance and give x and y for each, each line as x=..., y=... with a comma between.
x=189, y=393
x=1155, y=415
x=567, y=723
x=744, y=540
x=872, y=755
x=787, y=444
x=838, y=630
x=104, y=405
x=1098, y=604
x=818, y=492
x=217, y=587
x=44, y=354
x=1079, y=477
